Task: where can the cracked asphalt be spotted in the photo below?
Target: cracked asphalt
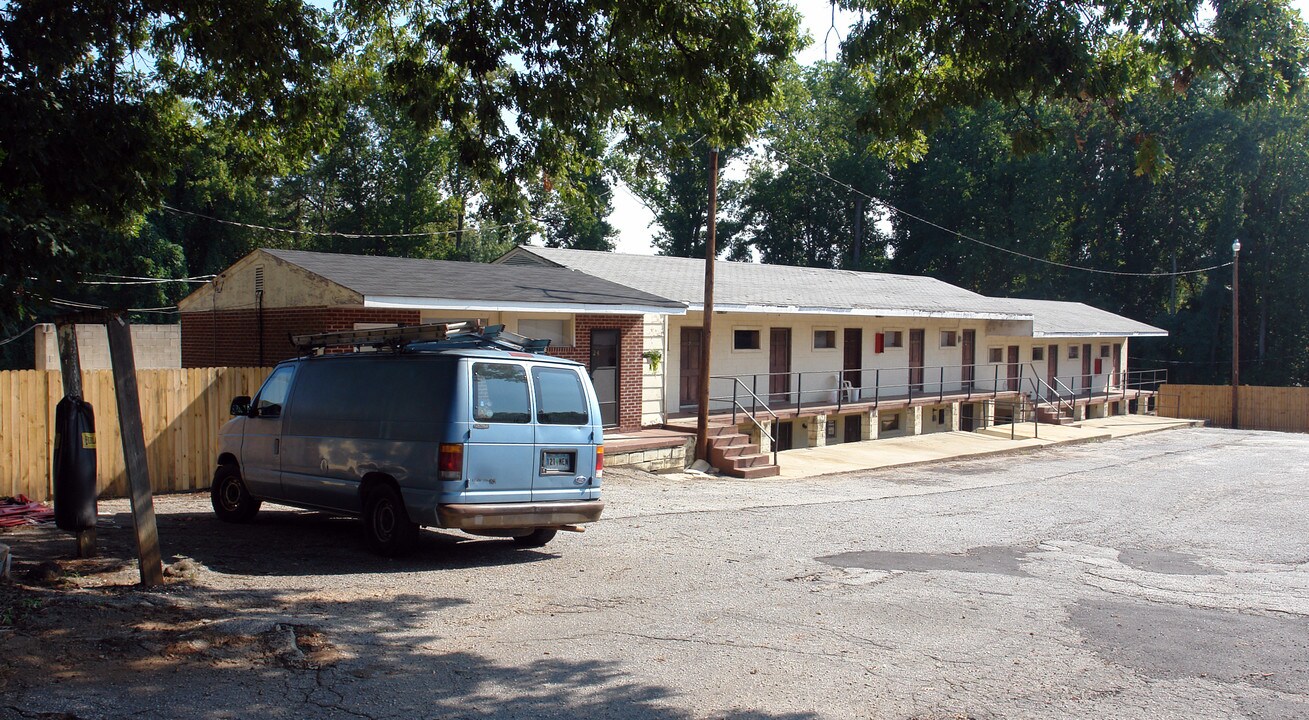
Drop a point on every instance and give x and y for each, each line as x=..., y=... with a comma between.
x=1156, y=576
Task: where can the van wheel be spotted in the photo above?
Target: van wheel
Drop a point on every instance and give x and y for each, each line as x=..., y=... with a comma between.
x=386, y=523
x=536, y=538
x=232, y=502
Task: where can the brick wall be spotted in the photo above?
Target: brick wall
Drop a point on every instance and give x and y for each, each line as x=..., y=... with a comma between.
x=230, y=338
x=631, y=344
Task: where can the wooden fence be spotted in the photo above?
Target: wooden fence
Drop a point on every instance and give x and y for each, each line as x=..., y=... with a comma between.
x=181, y=410
x=1261, y=408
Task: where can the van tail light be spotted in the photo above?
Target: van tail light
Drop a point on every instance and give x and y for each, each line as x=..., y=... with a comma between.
x=450, y=461
x=599, y=460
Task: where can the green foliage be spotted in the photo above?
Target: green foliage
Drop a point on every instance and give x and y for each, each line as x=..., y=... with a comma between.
x=1231, y=173
x=670, y=174
x=794, y=214
x=100, y=104
x=930, y=56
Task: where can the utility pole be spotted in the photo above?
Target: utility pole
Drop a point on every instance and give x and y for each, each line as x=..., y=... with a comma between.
x=710, y=255
x=1236, y=331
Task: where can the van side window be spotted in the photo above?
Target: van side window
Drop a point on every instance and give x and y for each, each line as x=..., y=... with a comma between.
x=500, y=394
x=560, y=399
x=272, y=396
x=336, y=398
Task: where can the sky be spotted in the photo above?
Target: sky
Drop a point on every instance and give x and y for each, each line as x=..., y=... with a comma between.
x=633, y=220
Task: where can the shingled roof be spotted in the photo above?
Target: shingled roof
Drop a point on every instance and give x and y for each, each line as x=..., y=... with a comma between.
x=1053, y=318
x=413, y=282
x=752, y=287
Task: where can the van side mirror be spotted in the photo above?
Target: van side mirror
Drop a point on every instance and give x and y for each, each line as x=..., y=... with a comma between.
x=241, y=405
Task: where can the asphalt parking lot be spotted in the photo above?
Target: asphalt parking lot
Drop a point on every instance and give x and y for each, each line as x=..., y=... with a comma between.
x=1161, y=575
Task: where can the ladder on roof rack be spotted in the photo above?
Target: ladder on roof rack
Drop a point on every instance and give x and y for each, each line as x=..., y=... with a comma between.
x=467, y=333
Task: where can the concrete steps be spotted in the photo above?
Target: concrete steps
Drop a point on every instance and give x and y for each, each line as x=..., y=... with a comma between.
x=733, y=454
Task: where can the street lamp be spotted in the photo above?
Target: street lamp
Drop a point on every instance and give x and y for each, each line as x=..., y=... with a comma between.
x=1236, y=330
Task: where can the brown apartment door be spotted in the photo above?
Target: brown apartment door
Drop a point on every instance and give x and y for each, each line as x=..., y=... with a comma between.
x=1013, y=368
x=1086, y=369
x=916, y=359
x=779, y=364
x=853, y=352
x=688, y=395
x=1052, y=368
x=969, y=359
x=604, y=373
x=1118, y=365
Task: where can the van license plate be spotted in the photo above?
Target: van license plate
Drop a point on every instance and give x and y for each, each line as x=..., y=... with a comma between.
x=559, y=462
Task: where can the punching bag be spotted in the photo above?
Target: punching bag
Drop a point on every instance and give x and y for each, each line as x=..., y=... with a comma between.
x=74, y=465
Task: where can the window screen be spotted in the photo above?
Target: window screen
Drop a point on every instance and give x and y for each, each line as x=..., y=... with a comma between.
x=745, y=339
x=560, y=399
x=1038, y=353
x=824, y=339
x=556, y=331
x=500, y=394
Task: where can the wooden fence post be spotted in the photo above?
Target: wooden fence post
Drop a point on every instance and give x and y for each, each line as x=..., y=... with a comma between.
x=138, y=470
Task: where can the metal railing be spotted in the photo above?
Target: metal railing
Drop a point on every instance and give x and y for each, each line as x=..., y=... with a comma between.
x=751, y=414
x=829, y=387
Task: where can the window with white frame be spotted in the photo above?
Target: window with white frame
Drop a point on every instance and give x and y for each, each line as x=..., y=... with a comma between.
x=558, y=332
x=1104, y=351
x=745, y=339
x=1072, y=352
x=1038, y=353
x=824, y=339
x=893, y=339
x=949, y=338
x=995, y=355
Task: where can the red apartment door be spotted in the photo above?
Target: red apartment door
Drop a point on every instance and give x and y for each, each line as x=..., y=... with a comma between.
x=779, y=364
x=916, y=359
x=853, y=352
x=969, y=359
x=688, y=395
x=1086, y=369
x=1052, y=368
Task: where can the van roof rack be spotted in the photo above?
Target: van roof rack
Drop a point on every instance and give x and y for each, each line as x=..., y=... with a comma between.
x=466, y=333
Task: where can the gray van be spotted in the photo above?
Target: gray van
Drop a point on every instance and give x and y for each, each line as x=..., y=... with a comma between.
x=475, y=430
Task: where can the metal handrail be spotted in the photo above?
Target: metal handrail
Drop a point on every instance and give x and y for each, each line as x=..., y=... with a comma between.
x=1059, y=402
x=750, y=415
x=940, y=386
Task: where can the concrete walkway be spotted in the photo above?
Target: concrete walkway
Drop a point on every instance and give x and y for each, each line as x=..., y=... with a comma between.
x=891, y=452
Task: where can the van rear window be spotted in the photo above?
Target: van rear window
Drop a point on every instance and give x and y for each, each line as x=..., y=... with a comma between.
x=500, y=393
x=560, y=399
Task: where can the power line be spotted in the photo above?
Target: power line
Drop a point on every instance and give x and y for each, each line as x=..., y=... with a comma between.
x=8, y=340
x=993, y=246
x=332, y=233
x=88, y=306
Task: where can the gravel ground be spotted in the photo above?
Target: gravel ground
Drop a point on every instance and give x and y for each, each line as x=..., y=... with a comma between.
x=1163, y=575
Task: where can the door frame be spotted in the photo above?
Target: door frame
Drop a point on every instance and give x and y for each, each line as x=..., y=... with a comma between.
x=618, y=374
x=779, y=364
x=688, y=379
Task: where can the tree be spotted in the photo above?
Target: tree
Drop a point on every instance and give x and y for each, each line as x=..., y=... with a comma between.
x=669, y=173
x=105, y=102
x=99, y=98
x=798, y=206
x=929, y=56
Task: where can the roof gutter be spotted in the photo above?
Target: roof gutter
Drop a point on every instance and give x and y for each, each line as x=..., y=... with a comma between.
x=862, y=312
x=419, y=303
